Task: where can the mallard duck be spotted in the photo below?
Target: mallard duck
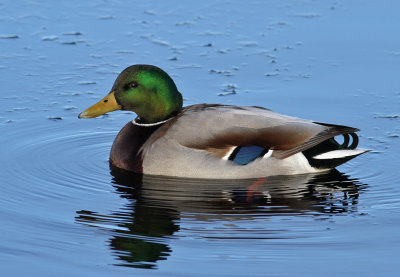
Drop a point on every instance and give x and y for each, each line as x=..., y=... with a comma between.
x=213, y=140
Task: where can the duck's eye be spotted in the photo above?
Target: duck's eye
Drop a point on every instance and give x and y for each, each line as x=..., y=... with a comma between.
x=133, y=85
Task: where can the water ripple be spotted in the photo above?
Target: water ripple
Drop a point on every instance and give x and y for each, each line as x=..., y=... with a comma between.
x=57, y=159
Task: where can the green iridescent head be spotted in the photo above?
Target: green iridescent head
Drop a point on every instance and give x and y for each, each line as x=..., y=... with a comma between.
x=144, y=89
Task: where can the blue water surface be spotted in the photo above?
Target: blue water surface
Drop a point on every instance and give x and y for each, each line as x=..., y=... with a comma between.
x=64, y=213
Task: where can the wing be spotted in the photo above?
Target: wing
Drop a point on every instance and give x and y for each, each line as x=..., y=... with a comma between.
x=219, y=129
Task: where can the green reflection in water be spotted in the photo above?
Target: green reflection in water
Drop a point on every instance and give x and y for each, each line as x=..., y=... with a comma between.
x=141, y=231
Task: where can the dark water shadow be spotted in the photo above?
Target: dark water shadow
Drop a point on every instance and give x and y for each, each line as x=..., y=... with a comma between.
x=141, y=231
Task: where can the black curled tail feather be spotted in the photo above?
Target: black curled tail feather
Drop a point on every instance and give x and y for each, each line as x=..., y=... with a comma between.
x=345, y=144
x=330, y=145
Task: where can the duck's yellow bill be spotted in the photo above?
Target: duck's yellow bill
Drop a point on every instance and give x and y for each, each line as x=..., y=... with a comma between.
x=105, y=105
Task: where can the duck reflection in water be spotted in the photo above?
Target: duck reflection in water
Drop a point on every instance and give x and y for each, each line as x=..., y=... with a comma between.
x=142, y=230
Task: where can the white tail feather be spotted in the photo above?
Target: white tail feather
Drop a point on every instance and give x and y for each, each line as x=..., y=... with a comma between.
x=337, y=154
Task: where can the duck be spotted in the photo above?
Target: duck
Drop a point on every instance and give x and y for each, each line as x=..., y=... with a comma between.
x=214, y=141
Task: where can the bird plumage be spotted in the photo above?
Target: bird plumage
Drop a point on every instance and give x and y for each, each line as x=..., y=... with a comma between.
x=214, y=140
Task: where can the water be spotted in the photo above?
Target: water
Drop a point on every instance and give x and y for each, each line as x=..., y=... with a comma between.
x=64, y=213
